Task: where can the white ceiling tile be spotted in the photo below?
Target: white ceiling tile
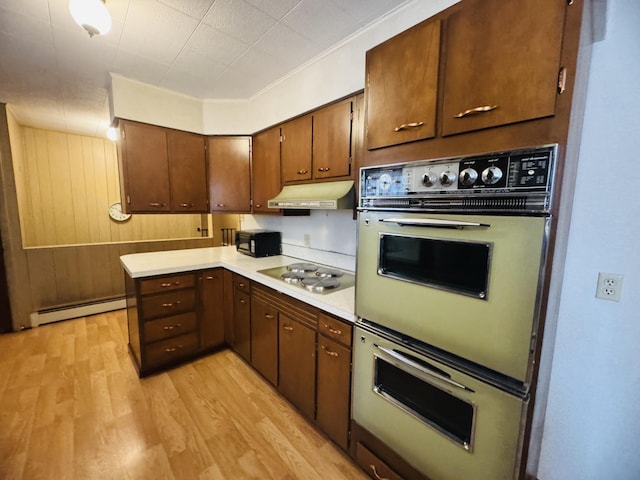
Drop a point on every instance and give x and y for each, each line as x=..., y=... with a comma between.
x=193, y=8
x=37, y=9
x=196, y=65
x=287, y=46
x=143, y=69
x=239, y=19
x=275, y=9
x=324, y=23
x=156, y=31
x=215, y=45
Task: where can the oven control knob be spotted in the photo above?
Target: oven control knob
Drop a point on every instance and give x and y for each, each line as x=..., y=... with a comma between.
x=468, y=176
x=491, y=175
x=428, y=179
x=447, y=178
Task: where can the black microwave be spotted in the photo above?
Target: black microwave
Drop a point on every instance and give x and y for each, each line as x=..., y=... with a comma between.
x=258, y=243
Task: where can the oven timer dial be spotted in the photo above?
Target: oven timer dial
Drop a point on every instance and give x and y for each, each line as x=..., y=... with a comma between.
x=468, y=177
x=491, y=175
x=447, y=178
x=428, y=179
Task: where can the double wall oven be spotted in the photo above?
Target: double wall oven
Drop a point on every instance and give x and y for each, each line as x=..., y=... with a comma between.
x=451, y=257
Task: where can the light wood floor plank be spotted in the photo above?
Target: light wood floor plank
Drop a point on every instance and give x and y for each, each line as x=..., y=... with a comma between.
x=73, y=408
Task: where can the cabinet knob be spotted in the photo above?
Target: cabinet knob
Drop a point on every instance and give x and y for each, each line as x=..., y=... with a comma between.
x=324, y=169
x=302, y=172
x=268, y=315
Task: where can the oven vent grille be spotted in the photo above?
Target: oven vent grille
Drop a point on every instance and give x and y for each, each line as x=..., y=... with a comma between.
x=501, y=203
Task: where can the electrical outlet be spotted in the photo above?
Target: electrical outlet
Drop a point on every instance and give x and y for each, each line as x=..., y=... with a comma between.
x=609, y=286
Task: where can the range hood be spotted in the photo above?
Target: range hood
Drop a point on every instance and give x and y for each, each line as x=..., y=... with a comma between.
x=316, y=196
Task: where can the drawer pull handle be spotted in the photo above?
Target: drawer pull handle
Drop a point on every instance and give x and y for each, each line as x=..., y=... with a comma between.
x=168, y=285
x=187, y=205
x=169, y=305
x=375, y=472
x=243, y=301
x=302, y=172
x=157, y=204
x=324, y=169
x=241, y=285
x=404, y=126
x=220, y=205
x=258, y=205
x=473, y=111
x=173, y=349
x=209, y=277
x=268, y=315
x=329, y=352
x=287, y=328
x=171, y=327
x=331, y=330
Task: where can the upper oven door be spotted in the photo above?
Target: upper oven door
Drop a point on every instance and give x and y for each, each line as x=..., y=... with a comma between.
x=466, y=284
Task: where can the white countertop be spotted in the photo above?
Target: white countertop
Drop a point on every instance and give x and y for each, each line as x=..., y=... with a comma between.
x=139, y=265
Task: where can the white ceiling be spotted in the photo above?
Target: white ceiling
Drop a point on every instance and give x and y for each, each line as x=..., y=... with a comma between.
x=53, y=75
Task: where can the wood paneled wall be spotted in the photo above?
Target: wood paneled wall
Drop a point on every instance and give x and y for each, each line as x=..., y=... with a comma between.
x=74, y=275
x=65, y=184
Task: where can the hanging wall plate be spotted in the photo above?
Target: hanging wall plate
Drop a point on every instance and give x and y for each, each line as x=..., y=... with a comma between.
x=116, y=213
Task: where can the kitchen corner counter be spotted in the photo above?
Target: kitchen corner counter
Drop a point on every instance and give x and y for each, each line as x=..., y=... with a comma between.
x=140, y=265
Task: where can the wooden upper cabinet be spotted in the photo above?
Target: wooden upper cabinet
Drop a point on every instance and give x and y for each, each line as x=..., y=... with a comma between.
x=502, y=63
x=162, y=170
x=188, y=171
x=295, y=150
x=401, y=87
x=332, y=140
x=265, y=169
x=144, y=168
x=230, y=174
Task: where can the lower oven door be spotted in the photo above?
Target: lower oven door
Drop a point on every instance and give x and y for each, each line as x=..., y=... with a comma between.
x=470, y=290
x=446, y=424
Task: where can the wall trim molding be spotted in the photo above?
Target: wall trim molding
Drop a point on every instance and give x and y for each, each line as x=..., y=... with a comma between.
x=75, y=311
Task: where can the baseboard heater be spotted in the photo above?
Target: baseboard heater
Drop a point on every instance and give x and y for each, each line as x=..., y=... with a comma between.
x=74, y=311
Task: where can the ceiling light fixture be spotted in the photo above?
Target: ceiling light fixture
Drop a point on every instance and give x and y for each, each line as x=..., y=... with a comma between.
x=92, y=15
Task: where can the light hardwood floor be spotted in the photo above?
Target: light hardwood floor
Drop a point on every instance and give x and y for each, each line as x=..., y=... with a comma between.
x=72, y=407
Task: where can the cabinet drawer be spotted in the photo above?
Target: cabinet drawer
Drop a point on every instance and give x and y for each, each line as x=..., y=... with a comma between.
x=168, y=327
x=167, y=351
x=168, y=304
x=164, y=284
x=334, y=328
x=375, y=467
x=241, y=283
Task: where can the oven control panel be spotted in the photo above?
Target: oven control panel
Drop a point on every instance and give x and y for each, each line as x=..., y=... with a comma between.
x=525, y=176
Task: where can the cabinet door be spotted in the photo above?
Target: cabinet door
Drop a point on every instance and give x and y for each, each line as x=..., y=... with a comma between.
x=212, y=308
x=297, y=363
x=332, y=141
x=401, y=87
x=502, y=63
x=242, y=324
x=145, y=168
x=334, y=387
x=230, y=174
x=227, y=288
x=264, y=339
x=188, y=172
x=296, y=149
x=265, y=169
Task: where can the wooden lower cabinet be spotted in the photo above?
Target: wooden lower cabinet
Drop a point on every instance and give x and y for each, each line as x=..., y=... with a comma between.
x=242, y=317
x=264, y=336
x=211, y=283
x=297, y=363
x=334, y=388
x=173, y=318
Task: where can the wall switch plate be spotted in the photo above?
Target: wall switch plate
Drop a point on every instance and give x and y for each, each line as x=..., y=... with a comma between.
x=609, y=286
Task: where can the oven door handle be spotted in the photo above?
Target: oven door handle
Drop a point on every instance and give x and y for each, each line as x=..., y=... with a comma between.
x=434, y=223
x=407, y=361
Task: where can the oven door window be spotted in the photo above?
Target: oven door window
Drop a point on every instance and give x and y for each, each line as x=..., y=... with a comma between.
x=437, y=408
x=456, y=266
